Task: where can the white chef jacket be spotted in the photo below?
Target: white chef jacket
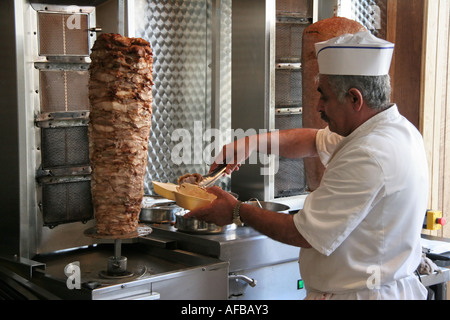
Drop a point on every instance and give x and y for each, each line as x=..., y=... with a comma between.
x=364, y=220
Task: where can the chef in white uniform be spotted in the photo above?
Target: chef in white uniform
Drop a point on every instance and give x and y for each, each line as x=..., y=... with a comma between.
x=360, y=229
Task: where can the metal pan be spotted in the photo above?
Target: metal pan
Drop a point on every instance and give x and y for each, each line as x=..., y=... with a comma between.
x=268, y=205
x=159, y=213
x=193, y=225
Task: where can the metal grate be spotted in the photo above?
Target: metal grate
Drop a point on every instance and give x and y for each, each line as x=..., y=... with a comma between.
x=290, y=179
x=63, y=90
x=63, y=174
x=293, y=17
x=289, y=42
x=66, y=202
x=288, y=87
x=294, y=7
x=63, y=34
x=64, y=147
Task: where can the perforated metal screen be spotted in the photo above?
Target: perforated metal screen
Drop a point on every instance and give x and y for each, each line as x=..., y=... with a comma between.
x=63, y=90
x=63, y=34
x=67, y=202
x=290, y=179
x=64, y=147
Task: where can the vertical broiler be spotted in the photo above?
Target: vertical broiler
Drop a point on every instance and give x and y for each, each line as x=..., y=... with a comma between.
x=54, y=246
x=203, y=73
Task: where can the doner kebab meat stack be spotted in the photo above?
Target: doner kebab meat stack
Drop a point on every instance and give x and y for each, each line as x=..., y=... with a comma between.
x=120, y=95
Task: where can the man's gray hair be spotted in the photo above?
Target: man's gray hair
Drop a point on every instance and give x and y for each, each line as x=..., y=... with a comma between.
x=376, y=90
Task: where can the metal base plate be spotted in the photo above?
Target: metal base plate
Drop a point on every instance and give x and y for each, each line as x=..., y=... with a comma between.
x=107, y=275
x=137, y=272
x=141, y=230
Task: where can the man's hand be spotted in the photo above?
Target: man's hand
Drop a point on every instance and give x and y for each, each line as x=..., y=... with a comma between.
x=235, y=153
x=219, y=212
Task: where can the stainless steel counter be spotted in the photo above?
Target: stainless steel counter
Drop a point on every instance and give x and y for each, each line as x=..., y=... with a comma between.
x=242, y=247
x=168, y=264
x=260, y=268
x=156, y=273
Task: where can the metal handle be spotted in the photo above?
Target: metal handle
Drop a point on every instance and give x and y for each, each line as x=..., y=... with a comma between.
x=95, y=29
x=257, y=201
x=250, y=281
x=146, y=296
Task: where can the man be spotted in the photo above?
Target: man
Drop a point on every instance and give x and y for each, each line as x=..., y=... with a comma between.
x=360, y=229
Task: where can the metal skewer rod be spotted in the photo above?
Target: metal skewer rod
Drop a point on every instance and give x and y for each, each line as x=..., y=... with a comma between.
x=117, y=248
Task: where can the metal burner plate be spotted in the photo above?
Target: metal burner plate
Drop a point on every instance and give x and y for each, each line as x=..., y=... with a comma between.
x=124, y=275
x=141, y=230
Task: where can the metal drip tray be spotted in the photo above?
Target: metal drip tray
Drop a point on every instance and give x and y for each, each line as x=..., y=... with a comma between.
x=260, y=268
x=151, y=272
x=242, y=247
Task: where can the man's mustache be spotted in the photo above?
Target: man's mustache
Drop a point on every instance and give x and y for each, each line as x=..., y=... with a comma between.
x=324, y=116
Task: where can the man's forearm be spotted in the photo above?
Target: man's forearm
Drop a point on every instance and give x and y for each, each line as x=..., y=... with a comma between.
x=290, y=143
x=278, y=226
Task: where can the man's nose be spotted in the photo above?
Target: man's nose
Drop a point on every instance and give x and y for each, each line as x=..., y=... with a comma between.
x=319, y=106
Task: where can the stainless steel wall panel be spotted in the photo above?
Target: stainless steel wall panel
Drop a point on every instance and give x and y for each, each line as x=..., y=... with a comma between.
x=372, y=14
x=178, y=34
x=10, y=148
x=181, y=35
x=252, y=97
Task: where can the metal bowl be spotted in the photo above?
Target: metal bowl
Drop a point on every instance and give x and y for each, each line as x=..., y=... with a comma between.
x=193, y=225
x=268, y=205
x=159, y=214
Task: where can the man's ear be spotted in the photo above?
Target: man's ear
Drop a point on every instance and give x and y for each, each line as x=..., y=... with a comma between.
x=356, y=98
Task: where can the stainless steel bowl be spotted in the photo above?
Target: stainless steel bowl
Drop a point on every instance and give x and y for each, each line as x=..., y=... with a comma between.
x=159, y=213
x=193, y=225
x=268, y=205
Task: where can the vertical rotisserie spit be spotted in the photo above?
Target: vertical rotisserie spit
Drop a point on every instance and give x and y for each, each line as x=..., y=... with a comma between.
x=120, y=95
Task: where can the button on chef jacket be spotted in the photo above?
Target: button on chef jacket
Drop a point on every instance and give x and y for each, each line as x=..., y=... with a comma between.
x=364, y=220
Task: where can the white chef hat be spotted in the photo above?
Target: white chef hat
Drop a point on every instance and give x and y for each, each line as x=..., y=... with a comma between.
x=355, y=54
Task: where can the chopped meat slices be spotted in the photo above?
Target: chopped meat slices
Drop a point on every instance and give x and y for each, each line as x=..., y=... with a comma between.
x=119, y=126
x=192, y=178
